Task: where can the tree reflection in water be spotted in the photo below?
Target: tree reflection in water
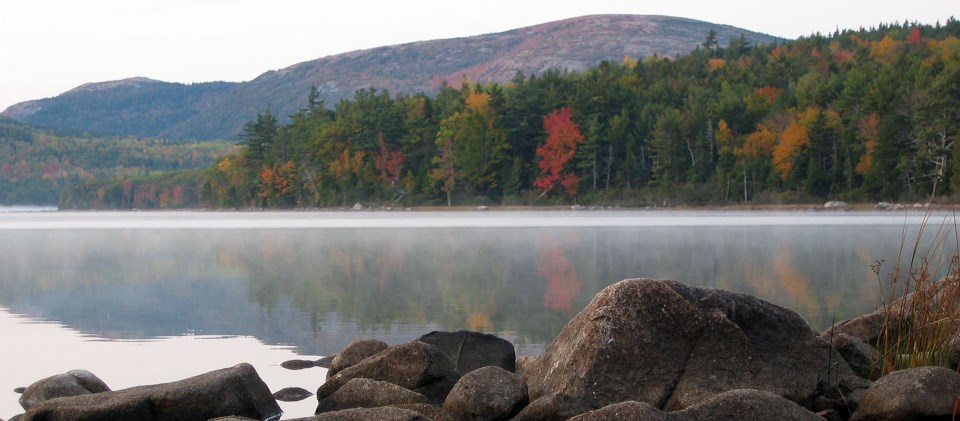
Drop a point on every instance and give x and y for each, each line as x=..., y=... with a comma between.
x=318, y=289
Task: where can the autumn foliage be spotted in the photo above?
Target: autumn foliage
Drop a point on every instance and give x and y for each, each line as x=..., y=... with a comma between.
x=563, y=136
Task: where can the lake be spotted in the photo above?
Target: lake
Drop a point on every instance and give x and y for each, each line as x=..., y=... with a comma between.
x=150, y=297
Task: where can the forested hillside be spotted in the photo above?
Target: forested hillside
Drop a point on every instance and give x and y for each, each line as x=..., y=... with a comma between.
x=149, y=108
x=40, y=168
x=855, y=115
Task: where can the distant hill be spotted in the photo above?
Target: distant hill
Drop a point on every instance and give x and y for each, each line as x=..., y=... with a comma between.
x=150, y=108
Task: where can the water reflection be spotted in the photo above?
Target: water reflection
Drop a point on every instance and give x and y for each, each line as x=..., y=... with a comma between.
x=319, y=288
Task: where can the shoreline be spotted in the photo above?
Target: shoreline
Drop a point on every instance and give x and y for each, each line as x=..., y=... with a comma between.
x=359, y=207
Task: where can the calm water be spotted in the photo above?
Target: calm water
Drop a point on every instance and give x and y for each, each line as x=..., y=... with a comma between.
x=148, y=297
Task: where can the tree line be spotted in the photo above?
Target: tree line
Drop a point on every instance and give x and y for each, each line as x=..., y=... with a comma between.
x=863, y=115
x=41, y=168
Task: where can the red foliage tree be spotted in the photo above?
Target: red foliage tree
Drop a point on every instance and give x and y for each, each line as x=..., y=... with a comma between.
x=563, y=136
x=389, y=163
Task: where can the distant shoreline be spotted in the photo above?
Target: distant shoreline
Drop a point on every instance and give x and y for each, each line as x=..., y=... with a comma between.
x=836, y=207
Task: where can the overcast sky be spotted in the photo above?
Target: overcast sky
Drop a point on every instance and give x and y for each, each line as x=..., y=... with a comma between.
x=50, y=46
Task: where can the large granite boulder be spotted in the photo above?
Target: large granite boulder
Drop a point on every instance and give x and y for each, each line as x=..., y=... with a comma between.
x=472, y=350
x=672, y=346
x=911, y=394
x=366, y=393
x=71, y=383
x=416, y=366
x=486, y=394
x=236, y=391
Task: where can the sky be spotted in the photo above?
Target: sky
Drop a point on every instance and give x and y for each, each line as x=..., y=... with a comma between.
x=51, y=46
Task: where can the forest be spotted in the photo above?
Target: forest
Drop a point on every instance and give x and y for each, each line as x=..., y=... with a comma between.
x=39, y=167
x=864, y=115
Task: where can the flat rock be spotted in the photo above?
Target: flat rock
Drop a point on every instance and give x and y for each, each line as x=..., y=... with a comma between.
x=385, y=413
x=235, y=391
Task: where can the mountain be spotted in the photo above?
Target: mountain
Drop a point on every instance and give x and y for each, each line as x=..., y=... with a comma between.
x=218, y=110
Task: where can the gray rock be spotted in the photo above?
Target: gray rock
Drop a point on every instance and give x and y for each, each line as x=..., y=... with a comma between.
x=745, y=404
x=552, y=408
x=232, y=418
x=623, y=411
x=236, y=391
x=385, y=413
x=734, y=405
x=911, y=394
x=71, y=383
x=416, y=366
x=942, y=301
x=857, y=354
x=366, y=393
x=523, y=363
x=486, y=394
x=292, y=394
x=673, y=346
x=300, y=364
x=430, y=411
x=472, y=350
x=353, y=353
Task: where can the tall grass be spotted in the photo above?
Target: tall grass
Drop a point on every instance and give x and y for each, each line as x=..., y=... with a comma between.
x=921, y=311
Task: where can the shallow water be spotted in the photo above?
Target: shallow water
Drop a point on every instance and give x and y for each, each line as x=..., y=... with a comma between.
x=149, y=297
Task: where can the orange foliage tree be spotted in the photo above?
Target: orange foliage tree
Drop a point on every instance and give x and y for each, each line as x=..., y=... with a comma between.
x=563, y=136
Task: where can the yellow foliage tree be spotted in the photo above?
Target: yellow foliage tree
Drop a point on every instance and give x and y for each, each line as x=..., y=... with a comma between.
x=760, y=143
x=792, y=141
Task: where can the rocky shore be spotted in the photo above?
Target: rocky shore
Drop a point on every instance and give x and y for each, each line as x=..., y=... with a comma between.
x=641, y=350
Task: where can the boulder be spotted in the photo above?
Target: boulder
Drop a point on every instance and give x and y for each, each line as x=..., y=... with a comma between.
x=745, y=404
x=426, y=409
x=366, y=393
x=858, y=355
x=939, y=300
x=672, y=345
x=623, y=411
x=232, y=418
x=292, y=394
x=486, y=394
x=911, y=394
x=734, y=405
x=416, y=366
x=235, y=391
x=353, y=353
x=301, y=364
x=552, y=408
x=385, y=413
x=472, y=350
x=71, y=383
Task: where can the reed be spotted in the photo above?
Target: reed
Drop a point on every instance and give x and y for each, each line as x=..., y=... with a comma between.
x=920, y=308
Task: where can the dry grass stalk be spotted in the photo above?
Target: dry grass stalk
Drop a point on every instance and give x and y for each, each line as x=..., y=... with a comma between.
x=921, y=314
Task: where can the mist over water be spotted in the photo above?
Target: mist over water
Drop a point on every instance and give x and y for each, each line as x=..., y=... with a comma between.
x=311, y=282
